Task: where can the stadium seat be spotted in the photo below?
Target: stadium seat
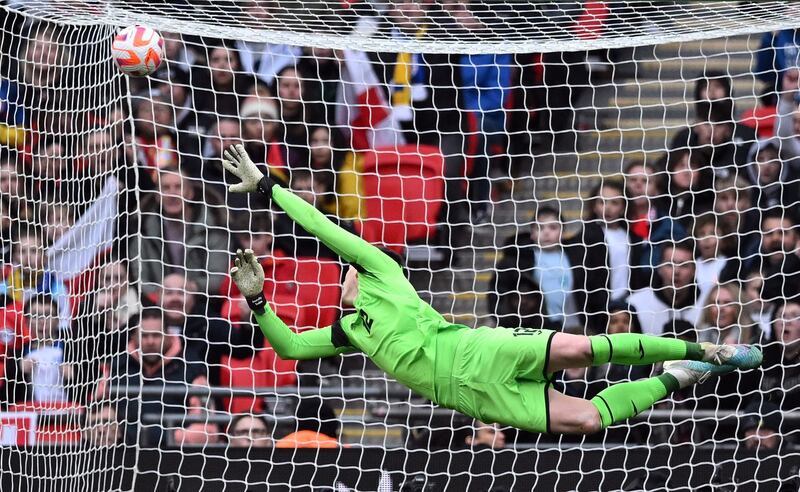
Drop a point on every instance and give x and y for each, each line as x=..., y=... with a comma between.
x=318, y=291
x=404, y=188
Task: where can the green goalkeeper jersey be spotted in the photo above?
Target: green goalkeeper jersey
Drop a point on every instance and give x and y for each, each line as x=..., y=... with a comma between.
x=398, y=331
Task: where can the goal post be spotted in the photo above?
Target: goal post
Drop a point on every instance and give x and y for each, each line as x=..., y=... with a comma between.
x=537, y=165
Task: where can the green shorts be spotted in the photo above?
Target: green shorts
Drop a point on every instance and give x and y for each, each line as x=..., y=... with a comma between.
x=502, y=377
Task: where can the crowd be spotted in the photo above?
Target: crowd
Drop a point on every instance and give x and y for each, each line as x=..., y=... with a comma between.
x=701, y=244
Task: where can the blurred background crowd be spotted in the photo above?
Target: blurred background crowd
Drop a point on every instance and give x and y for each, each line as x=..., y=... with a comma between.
x=117, y=227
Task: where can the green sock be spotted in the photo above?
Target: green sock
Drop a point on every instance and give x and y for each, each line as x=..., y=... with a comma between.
x=634, y=349
x=624, y=400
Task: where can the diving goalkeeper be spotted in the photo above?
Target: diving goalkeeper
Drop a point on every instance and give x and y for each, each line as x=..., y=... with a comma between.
x=501, y=375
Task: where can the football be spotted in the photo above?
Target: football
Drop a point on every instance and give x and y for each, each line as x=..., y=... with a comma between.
x=137, y=50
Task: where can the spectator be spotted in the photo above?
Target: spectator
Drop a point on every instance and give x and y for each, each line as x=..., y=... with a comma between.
x=761, y=428
x=777, y=53
x=37, y=373
x=787, y=127
x=222, y=134
x=218, y=93
x=154, y=359
x=12, y=114
x=673, y=294
x=779, y=262
x=689, y=190
x=738, y=222
x=725, y=142
x=650, y=223
x=11, y=183
x=177, y=89
x=102, y=426
x=486, y=85
x=726, y=317
x=28, y=274
x=761, y=312
x=323, y=66
x=249, y=431
x=206, y=338
x=100, y=154
x=775, y=182
x=260, y=132
x=327, y=155
x=311, y=186
x=102, y=327
x=265, y=60
x=180, y=235
x=156, y=142
x=712, y=95
x=317, y=426
x=51, y=168
x=43, y=63
x=712, y=263
x=713, y=86
x=298, y=111
x=538, y=268
x=564, y=79
x=612, y=257
x=781, y=380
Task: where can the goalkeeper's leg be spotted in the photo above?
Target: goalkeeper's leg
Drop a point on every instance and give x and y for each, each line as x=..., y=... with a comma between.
x=619, y=402
x=570, y=351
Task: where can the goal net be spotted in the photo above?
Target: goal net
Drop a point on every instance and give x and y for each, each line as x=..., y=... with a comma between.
x=588, y=167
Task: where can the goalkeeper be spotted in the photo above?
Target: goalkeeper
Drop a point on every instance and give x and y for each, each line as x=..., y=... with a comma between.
x=501, y=375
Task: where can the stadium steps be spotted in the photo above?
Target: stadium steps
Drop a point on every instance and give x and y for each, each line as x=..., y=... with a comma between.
x=636, y=119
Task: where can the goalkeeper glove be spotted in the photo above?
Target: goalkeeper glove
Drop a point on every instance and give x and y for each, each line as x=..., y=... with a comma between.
x=249, y=277
x=238, y=163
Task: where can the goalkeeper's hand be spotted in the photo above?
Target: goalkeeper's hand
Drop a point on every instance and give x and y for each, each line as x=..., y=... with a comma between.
x=238, y=163
x=249, y=277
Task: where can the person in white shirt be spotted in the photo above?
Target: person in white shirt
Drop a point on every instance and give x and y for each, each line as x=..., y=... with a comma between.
x=674, y=294
x=42, y=364
x=711, y=259
x=613, y=257
x=727, y=317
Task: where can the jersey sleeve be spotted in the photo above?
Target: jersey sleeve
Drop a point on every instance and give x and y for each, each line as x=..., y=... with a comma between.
x=349, y=246
x=311, y=344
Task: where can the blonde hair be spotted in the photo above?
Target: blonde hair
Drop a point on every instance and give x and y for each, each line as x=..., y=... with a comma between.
x=744, y=316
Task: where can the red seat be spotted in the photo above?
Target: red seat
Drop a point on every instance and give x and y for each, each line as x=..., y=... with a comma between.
x=319, y=295
x=404, y=191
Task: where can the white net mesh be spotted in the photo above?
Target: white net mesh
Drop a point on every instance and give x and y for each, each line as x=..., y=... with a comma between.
x=542, y=165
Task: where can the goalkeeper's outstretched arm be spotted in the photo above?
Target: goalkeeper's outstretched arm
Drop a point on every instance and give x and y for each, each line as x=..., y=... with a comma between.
x=313, y=344
x=349, y=246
